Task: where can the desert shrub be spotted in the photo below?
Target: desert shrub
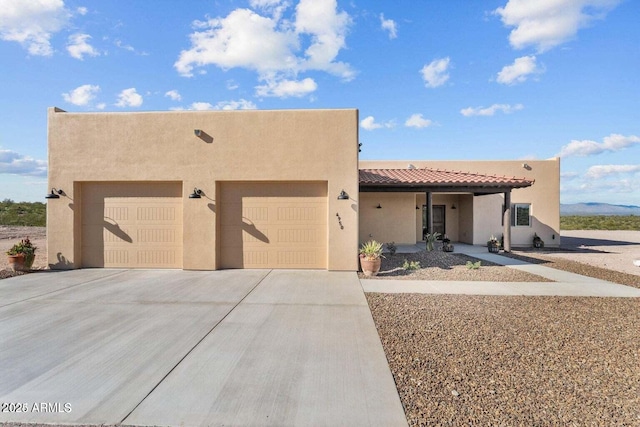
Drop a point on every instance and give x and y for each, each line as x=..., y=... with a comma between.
x=411, y=265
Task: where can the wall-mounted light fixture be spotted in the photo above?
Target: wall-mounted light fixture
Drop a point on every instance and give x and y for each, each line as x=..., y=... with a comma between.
x=197, y=194
x=55, y=194
x=417, y=208
x=378, y=207
x=526, y=166
x=197, y=132
x=453, y=206
x=343, y=195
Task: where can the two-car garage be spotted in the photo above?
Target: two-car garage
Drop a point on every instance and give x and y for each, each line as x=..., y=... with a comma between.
x=258, y=224
x=203, y=190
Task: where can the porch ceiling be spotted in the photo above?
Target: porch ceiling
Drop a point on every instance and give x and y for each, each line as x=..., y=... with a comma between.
x=437, y=181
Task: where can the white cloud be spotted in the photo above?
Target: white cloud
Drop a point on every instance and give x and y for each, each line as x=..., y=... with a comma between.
x=328, y=29
x=174, y=95
x=601, y=171
x=274, y=47
x=369, y=123
x=435, y=73
x=613, y=142
x=265, y=4
x=232, y=85
x=389, y=25
x=417, y=121
x=82, y=10
x=121, y=45
x=241, y=104
x=129, y=98
x=545, y=24
x=82, y=95
x=519, y=71
x=77, y=46
x=273, y=7
x=201, y=106
x=32, y=23
x=490, y=111
x=15, y=163
x=242, y=39
x=287, y=88
x=568, y=176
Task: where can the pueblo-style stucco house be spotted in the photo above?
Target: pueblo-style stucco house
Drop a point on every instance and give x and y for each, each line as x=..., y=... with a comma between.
x=208, y=190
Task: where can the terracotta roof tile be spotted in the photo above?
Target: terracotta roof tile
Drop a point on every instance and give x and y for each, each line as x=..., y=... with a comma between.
x=403, y=177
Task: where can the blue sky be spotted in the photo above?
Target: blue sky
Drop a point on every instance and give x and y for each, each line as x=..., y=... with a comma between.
x=455, y=79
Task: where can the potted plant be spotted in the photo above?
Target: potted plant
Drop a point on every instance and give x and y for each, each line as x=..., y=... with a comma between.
x=493, y=244
x=446, y=244
x=371, y=257
x=537, y=241
x=21, y=255
x=392, y=248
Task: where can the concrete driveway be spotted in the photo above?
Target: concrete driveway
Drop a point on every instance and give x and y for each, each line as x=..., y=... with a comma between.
x=241, y=347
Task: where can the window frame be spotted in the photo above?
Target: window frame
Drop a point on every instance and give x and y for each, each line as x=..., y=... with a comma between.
x=514, y=214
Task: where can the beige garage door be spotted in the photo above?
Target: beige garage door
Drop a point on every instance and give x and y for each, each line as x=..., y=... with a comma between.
x=132, y=225
x=273, y=225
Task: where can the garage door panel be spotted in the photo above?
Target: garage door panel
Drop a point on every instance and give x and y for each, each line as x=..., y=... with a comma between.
x=132, y=225
x=278, y=225
x=247, y=190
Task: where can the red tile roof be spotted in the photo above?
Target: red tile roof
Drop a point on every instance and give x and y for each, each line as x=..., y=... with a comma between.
x=436, y=177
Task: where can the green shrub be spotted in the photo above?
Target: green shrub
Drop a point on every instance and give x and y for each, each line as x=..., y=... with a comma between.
x=23, y=213
x=473, y=265
x=600, y=222
x=411, y=265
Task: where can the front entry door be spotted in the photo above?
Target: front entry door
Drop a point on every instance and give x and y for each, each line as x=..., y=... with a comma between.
x=438, y=220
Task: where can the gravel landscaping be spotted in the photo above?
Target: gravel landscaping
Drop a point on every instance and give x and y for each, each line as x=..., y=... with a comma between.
x=544, y=258
x=438, y=265
x=495, y=360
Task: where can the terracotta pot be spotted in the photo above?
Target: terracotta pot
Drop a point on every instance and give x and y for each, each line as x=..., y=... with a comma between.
x=16, y=262
x=370, y=268
x=28, y=262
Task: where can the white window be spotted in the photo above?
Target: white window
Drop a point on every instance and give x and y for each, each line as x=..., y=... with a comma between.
x=521, y=215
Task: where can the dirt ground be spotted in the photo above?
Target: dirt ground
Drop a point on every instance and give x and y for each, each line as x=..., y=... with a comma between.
x=613, y=250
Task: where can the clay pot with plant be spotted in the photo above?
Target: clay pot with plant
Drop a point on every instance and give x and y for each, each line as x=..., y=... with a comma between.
x=21, y=255
x=371, y=257
x=493, y=244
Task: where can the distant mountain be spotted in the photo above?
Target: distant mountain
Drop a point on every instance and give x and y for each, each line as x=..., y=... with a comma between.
x=592, y=208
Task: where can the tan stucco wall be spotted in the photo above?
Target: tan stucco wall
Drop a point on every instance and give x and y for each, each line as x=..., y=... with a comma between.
x=476, y=225
x=293, y=145
x=390, y=222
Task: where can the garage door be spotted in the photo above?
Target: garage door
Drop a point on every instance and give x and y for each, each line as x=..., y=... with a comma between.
x=132, y=225
x=273, y=225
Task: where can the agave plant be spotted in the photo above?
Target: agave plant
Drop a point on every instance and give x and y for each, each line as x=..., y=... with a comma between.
x=371, y=250
x=431, y=240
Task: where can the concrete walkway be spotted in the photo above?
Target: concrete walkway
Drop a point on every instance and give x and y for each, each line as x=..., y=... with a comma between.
x=168, y=347
x=565, y=283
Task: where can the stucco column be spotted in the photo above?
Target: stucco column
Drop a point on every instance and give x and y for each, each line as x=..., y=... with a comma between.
x=429, y=212
x=506, y=221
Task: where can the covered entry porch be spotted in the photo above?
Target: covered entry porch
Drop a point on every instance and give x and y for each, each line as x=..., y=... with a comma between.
x=404, y=204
